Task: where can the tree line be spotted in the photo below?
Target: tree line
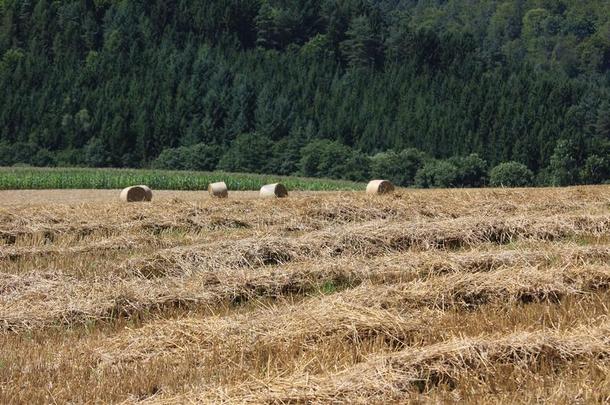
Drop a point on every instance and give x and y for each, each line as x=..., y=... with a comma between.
x=408, y=167
x=335, y=88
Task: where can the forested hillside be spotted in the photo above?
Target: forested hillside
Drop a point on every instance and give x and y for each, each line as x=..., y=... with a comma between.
x=430, y=92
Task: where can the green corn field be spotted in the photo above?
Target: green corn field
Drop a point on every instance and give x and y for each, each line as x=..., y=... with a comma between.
x=26, y=178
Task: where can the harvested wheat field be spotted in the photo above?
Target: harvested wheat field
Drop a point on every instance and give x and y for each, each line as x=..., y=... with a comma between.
x=472, y=296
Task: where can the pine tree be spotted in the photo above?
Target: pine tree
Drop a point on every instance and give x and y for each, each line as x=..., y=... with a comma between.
x=362, y=47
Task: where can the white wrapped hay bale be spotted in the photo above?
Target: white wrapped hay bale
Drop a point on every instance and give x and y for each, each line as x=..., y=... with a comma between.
x=218, y=190
x=277, y=190
x=136, y=194
x=149, y=192
x=377, y=187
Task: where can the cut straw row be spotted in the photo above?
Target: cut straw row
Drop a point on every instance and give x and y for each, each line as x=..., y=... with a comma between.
x=398, y=376
x=370, y=239
x=391, y=311
x=60, y=298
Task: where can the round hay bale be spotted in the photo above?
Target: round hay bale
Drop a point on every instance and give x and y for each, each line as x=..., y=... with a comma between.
x=277, y=190
x=377, y=187
x=136, y=194
x=218, y=190
x=148, y=192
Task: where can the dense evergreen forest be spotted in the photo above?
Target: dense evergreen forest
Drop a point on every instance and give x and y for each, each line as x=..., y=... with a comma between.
x=427, y=92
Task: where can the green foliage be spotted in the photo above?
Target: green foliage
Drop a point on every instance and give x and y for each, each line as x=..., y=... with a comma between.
x=437, y=174
x=400, y=168
x=18, y=152
x=328, y=287
x=6, y=154
x=596, y=169
x=317, y=47
x=69, y=157
x=460, y=171
x=511, y=174
x=11, y=59
x=324, y=158
x=356, y=167
x=44, y=158
x=31, y=178
x=471, y=170
x=285, y=156
x=602, y=126
x=198, y=157
x=563, y=168
x=96, y=154
x=122, y=83
x=311, y=158
x=248, y=153
x=362, y=47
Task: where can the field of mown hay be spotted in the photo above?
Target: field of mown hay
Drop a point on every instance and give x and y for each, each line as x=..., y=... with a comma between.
x=476, y=296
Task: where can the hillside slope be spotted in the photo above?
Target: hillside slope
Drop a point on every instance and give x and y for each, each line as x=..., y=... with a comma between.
x=249, y=83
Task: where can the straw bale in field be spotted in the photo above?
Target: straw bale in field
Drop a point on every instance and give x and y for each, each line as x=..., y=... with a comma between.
x=136, y=194
x=274, y=190
x=379, y=187
x=219, y=190
x=149, y=192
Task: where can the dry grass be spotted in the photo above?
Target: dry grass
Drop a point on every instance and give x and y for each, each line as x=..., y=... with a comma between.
x=477, y=296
